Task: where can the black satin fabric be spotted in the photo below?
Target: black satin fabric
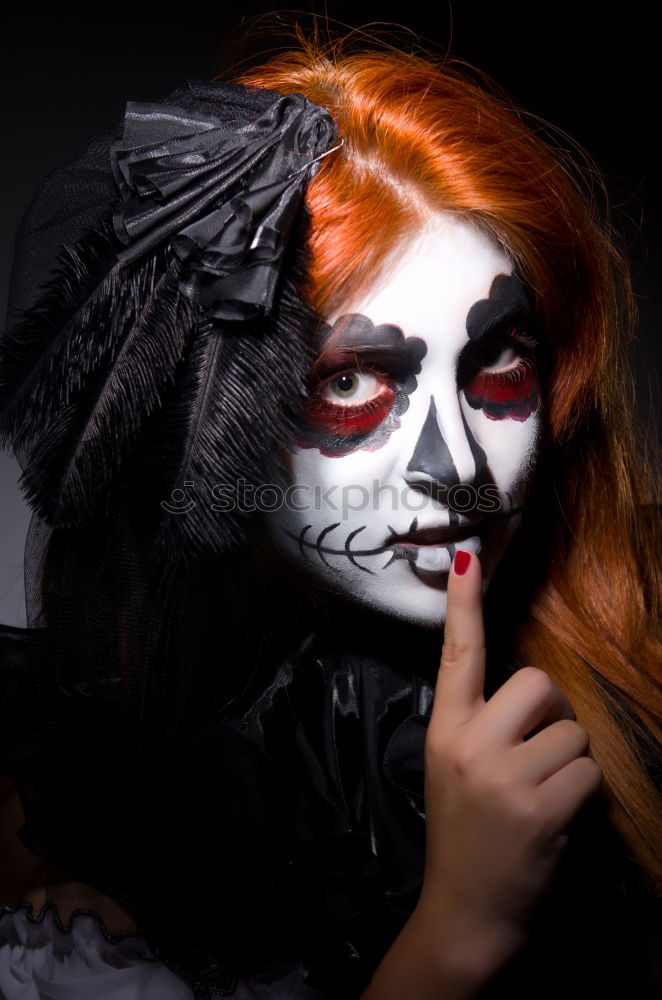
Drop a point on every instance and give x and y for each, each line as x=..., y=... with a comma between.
x=309, y=796
x=294, y=830
x=220, y=170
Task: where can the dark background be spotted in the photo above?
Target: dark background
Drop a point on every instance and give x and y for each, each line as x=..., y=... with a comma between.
x=66, y=74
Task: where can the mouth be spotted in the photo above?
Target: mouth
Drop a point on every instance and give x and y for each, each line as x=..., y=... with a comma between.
x=432, y=550
x=442, y=535
x=426, y=550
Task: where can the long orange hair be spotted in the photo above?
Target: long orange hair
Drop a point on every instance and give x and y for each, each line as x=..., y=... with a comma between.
x=421, y=133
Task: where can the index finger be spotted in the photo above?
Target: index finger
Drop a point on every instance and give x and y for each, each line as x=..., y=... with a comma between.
x=461, y=678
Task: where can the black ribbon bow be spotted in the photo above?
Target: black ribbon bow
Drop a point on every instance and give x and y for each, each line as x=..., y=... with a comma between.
x=225, y=193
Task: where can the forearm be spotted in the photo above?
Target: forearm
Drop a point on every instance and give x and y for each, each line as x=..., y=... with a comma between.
x=436, y=958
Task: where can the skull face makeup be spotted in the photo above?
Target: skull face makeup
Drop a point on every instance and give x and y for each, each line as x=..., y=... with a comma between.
x=421, y=429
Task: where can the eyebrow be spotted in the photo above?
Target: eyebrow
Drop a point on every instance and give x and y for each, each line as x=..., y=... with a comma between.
x=357, y=330
x=508, y=301
x=354, y=336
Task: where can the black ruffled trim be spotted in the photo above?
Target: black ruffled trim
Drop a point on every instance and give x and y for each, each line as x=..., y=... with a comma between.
x=79, y=911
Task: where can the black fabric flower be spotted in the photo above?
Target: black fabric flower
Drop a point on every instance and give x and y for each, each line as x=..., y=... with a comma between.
x=225, y=188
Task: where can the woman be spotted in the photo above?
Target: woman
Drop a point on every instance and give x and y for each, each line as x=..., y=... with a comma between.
x=313, y=374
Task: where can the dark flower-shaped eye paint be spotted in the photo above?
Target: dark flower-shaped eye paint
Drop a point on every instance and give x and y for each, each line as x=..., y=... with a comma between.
x=357, y=351
x=513, y=394
x=499, y=322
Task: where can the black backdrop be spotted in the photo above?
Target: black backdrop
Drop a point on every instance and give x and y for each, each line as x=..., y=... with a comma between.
x=67, y=71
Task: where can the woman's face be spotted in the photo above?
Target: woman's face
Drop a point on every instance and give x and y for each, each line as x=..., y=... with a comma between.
x=421, y=428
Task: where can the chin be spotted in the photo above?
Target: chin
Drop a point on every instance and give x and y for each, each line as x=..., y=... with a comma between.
x=401, y=595
x=411, y=599
x=427, y=611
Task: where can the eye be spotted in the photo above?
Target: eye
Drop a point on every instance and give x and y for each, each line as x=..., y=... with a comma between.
x=353, y=401
x=351, y=388
x=502, y=353
x=500, y=377
x=497, y=357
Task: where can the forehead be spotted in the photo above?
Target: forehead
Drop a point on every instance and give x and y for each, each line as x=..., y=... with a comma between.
x=433, y=281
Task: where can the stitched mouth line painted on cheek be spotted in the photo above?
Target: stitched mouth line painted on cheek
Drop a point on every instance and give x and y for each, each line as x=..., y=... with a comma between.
x=408, y=552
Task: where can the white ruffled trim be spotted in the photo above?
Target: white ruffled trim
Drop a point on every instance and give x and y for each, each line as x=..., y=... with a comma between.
x=40, y=960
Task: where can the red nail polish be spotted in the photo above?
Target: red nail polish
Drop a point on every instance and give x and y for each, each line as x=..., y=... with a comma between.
x=461, y=561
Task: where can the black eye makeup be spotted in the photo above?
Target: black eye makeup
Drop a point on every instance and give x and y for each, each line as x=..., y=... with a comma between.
x=507, y=390
x=497, y=368
x=365, y=373
x=351, y=403
x=516, y=343
x=360, y=386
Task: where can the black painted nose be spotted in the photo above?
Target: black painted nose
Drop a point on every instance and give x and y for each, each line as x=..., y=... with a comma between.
x=431, y=454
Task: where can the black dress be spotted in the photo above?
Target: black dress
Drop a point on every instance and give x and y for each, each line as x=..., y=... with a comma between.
x=292, y=849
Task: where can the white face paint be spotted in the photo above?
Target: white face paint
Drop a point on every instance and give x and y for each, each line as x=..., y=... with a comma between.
x=420, y=436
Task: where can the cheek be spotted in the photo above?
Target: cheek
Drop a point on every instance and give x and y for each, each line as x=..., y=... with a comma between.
x=511, y=448
x=324, y=479
x=511, y=396
x=341, y=489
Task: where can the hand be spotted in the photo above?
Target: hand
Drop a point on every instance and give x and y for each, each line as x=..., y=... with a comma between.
x=498, y=807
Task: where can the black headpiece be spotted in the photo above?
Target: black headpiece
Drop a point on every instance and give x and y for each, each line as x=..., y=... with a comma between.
x=166, y=340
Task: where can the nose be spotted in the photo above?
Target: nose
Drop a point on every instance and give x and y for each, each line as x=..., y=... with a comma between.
x=442, y=460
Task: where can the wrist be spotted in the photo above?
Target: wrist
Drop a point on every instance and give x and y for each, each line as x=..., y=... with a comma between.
x=466, y=947
x=441, y=954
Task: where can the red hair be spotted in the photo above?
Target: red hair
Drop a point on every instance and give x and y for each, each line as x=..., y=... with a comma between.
x=421, y=134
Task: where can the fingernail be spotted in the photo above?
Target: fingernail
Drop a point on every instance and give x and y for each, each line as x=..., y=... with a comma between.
x=461, y=561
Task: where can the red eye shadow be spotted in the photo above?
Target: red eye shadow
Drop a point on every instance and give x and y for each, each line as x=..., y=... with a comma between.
x=513, y=395
x=345, y=421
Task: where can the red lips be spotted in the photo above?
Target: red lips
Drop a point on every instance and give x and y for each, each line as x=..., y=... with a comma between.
x=435, y=536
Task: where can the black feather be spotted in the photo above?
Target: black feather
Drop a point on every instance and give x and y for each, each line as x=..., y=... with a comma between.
x=115, y=368
x=230, y=413
x=84, y=371
x=65, y=335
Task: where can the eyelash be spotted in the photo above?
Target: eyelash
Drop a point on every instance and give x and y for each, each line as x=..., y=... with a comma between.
x=347, y=419
x=520, y=341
